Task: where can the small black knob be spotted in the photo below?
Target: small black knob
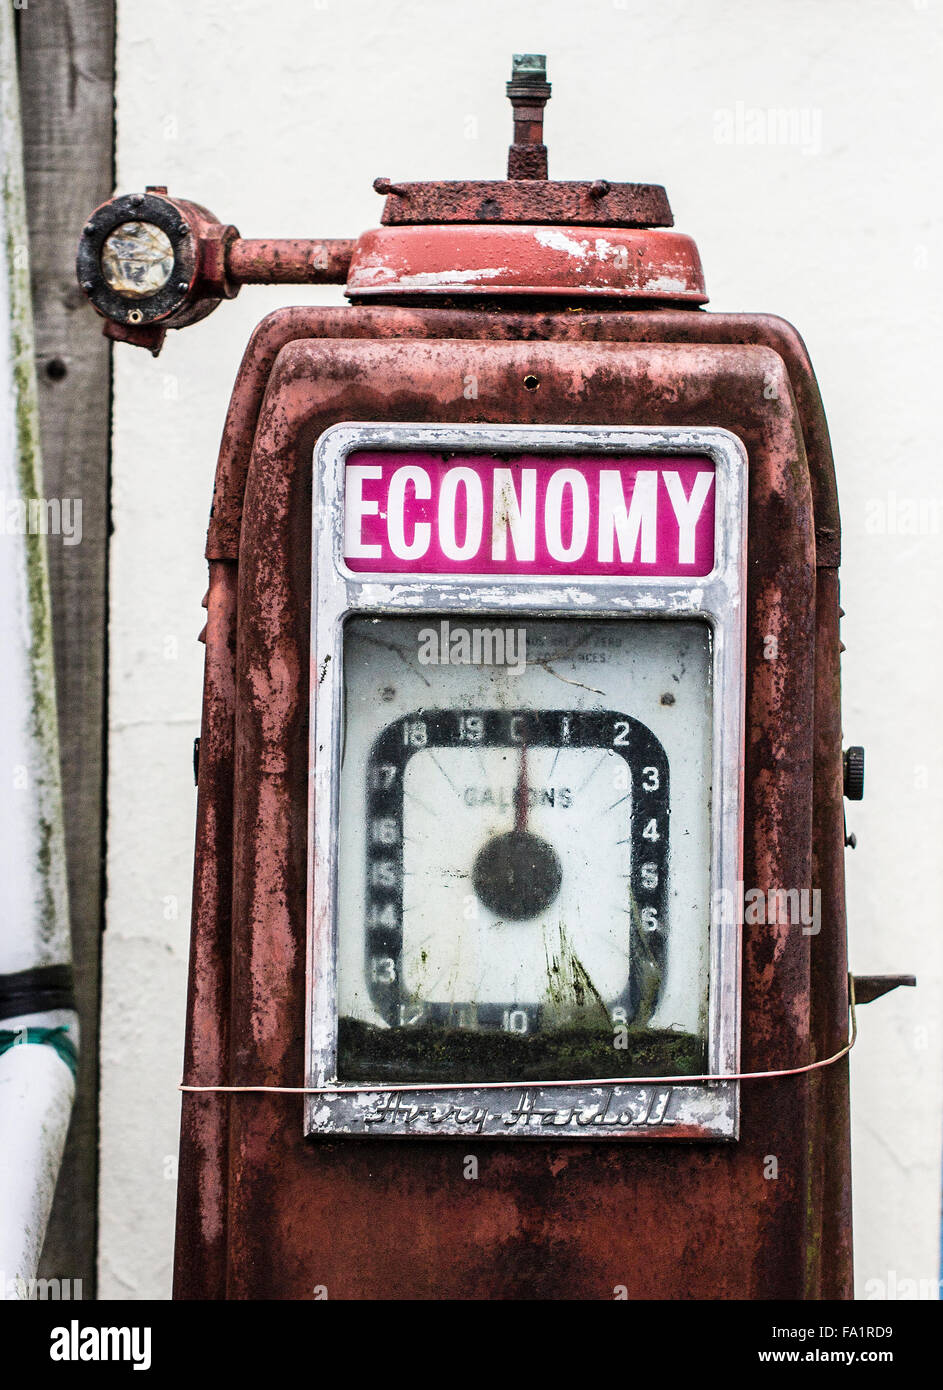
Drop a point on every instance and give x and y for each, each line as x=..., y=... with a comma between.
x=854, y=773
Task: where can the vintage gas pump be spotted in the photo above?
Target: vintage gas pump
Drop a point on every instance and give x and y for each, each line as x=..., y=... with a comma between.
x=518, y=950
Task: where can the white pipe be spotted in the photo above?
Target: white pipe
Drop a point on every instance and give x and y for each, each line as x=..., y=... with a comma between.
x=36, y=1083
x=36, y=1092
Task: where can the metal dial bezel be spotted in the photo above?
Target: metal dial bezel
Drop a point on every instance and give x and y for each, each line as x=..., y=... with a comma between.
x=642, y=1109
x=161, y=213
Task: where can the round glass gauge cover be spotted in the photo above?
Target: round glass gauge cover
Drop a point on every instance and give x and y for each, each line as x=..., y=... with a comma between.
x=137, y=260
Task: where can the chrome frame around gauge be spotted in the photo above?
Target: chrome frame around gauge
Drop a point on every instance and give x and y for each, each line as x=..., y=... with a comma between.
x=644, y=1109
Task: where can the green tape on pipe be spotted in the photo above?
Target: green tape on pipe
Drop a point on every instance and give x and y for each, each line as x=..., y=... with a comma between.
x=56, y=1038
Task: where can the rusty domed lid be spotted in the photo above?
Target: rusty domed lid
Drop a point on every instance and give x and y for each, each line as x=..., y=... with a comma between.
x=507, y=237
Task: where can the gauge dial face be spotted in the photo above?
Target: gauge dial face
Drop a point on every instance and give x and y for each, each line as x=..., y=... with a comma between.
x=524, y=848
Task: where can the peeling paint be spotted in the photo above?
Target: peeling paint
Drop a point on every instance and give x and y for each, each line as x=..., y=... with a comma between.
x=556, y=240
x=509, y=259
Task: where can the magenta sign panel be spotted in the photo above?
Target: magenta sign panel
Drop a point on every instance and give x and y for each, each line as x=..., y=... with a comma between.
x=424, y=513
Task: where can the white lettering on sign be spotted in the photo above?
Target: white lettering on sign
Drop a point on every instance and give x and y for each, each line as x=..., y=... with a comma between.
x=471, y=512
x=687, y=511
x=565, y=481
x=637, y=521
x=514, y=515
x=435, y=514
x=356, y=509
x=418, y=480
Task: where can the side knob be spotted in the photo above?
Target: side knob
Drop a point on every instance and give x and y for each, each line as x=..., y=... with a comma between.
x=854, y=773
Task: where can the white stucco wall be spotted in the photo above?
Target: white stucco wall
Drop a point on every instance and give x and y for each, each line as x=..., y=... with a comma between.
x=278, y=114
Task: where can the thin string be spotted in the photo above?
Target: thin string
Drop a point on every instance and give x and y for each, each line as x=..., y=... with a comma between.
x=543, y=1085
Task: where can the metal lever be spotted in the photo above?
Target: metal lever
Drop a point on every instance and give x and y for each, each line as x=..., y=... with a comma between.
x=868, y=987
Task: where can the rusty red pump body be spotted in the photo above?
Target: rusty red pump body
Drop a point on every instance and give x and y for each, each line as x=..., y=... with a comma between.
x=583, y=290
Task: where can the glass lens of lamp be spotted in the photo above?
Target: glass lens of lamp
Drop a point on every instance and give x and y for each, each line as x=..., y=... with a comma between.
x=137, y=260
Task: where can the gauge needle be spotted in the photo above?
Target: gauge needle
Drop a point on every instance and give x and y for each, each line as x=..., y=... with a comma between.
x=521, y=797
